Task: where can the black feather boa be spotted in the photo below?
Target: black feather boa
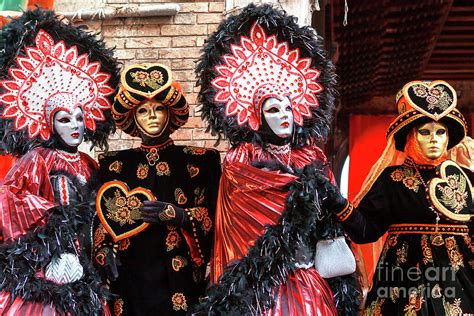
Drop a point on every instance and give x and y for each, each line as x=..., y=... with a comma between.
x=248, y=286
x=21, y=32
x=274, y=21
x=21, y=259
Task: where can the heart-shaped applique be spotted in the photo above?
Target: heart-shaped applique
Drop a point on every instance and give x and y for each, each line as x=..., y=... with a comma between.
x=452, y=193
x=146, y=80
x=180, y=197
x=434, y=100
x=118, y=209
x=193, y=171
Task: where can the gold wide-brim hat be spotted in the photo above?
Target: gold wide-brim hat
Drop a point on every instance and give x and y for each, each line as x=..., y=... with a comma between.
x=143, y=82
x=420, y=102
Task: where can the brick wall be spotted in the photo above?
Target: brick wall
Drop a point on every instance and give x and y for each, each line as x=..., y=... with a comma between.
x=175, y=41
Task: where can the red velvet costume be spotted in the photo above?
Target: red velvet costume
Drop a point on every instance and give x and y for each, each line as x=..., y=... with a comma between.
x=26, y=198
x=268, y=88
x=251, y=198
x=54, y=95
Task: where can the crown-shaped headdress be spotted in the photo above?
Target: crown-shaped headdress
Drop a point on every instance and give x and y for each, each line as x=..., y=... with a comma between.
x=51, y=78
x=262, y=67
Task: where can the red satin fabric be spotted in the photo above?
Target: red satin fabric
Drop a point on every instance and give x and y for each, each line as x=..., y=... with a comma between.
x=305, y=293
x=251, y=198
x=26, y=195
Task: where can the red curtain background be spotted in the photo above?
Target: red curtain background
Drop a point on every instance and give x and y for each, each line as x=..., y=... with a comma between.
x=366, y=144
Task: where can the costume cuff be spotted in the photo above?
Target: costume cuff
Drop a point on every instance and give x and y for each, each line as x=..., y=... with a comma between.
x=346, y=212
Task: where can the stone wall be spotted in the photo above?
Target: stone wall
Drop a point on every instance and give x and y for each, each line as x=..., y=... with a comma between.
x=175, y=41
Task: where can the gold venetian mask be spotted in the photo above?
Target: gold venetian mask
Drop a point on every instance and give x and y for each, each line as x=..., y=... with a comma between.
x=432, y=139
x=152, y=118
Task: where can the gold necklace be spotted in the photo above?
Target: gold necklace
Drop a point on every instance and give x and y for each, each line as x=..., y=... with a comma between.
x=436, y=238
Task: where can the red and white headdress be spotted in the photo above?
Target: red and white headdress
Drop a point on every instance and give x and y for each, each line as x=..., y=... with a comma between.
x=262, y=67
x=51, y=78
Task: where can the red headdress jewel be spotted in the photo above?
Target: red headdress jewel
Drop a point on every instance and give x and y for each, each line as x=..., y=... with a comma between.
x=52, y=78
x=261, y=63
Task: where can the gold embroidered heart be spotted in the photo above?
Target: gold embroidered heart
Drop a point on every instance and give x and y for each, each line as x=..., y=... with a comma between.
x=118, y=209
x=193, y=171
x=451, y=194
x=168, y=213
x=180, y=197
x=146, y=79
x=434, y=100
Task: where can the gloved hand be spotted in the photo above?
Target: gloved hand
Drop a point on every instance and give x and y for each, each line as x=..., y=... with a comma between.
x=109, y=262
x=157, y=212
x=332, y=198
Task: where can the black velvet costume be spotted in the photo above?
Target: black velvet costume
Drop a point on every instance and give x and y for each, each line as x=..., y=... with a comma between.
x=391, y=202
x=162, y=269
x=156, y=264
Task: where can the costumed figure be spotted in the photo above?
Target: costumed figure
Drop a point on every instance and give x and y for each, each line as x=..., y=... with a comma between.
x=155, y=253
x=425, y=204
x=57, y=81
x=267, y=87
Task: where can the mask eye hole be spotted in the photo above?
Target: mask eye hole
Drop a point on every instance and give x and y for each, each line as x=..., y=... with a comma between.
x=64, y=120
x=142, y=111
x=441, y=131
x=424, y=132
x=273, y=109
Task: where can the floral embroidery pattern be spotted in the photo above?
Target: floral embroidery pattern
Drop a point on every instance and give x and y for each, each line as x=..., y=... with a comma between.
x=173, y=239
x=123, y=210
x=178, y=262
x=116, y=166
x=201, y=215
x=198, y=151
x=415, y=301
x=375, y=308
x=427, y=254
x=163, y=169
x=436, y=97
x=402, y=253
x=179, y=302
x=99, y=235
x=436, y=291
x=118, y=307
x=153, y=80
x=453, y=309
x=390, y=242
x=454, y=255
x=407, y=176
x=179, y=196
x=199, y=196
x=142, y=171
x=394, y=294
x=454, y=195
x=193, y=171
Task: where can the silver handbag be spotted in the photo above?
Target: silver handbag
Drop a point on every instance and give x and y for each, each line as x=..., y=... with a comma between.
x=334, y=258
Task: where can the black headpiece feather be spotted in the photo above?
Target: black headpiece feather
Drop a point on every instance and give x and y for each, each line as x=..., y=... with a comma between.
x=274, y=21
x=21, y=32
